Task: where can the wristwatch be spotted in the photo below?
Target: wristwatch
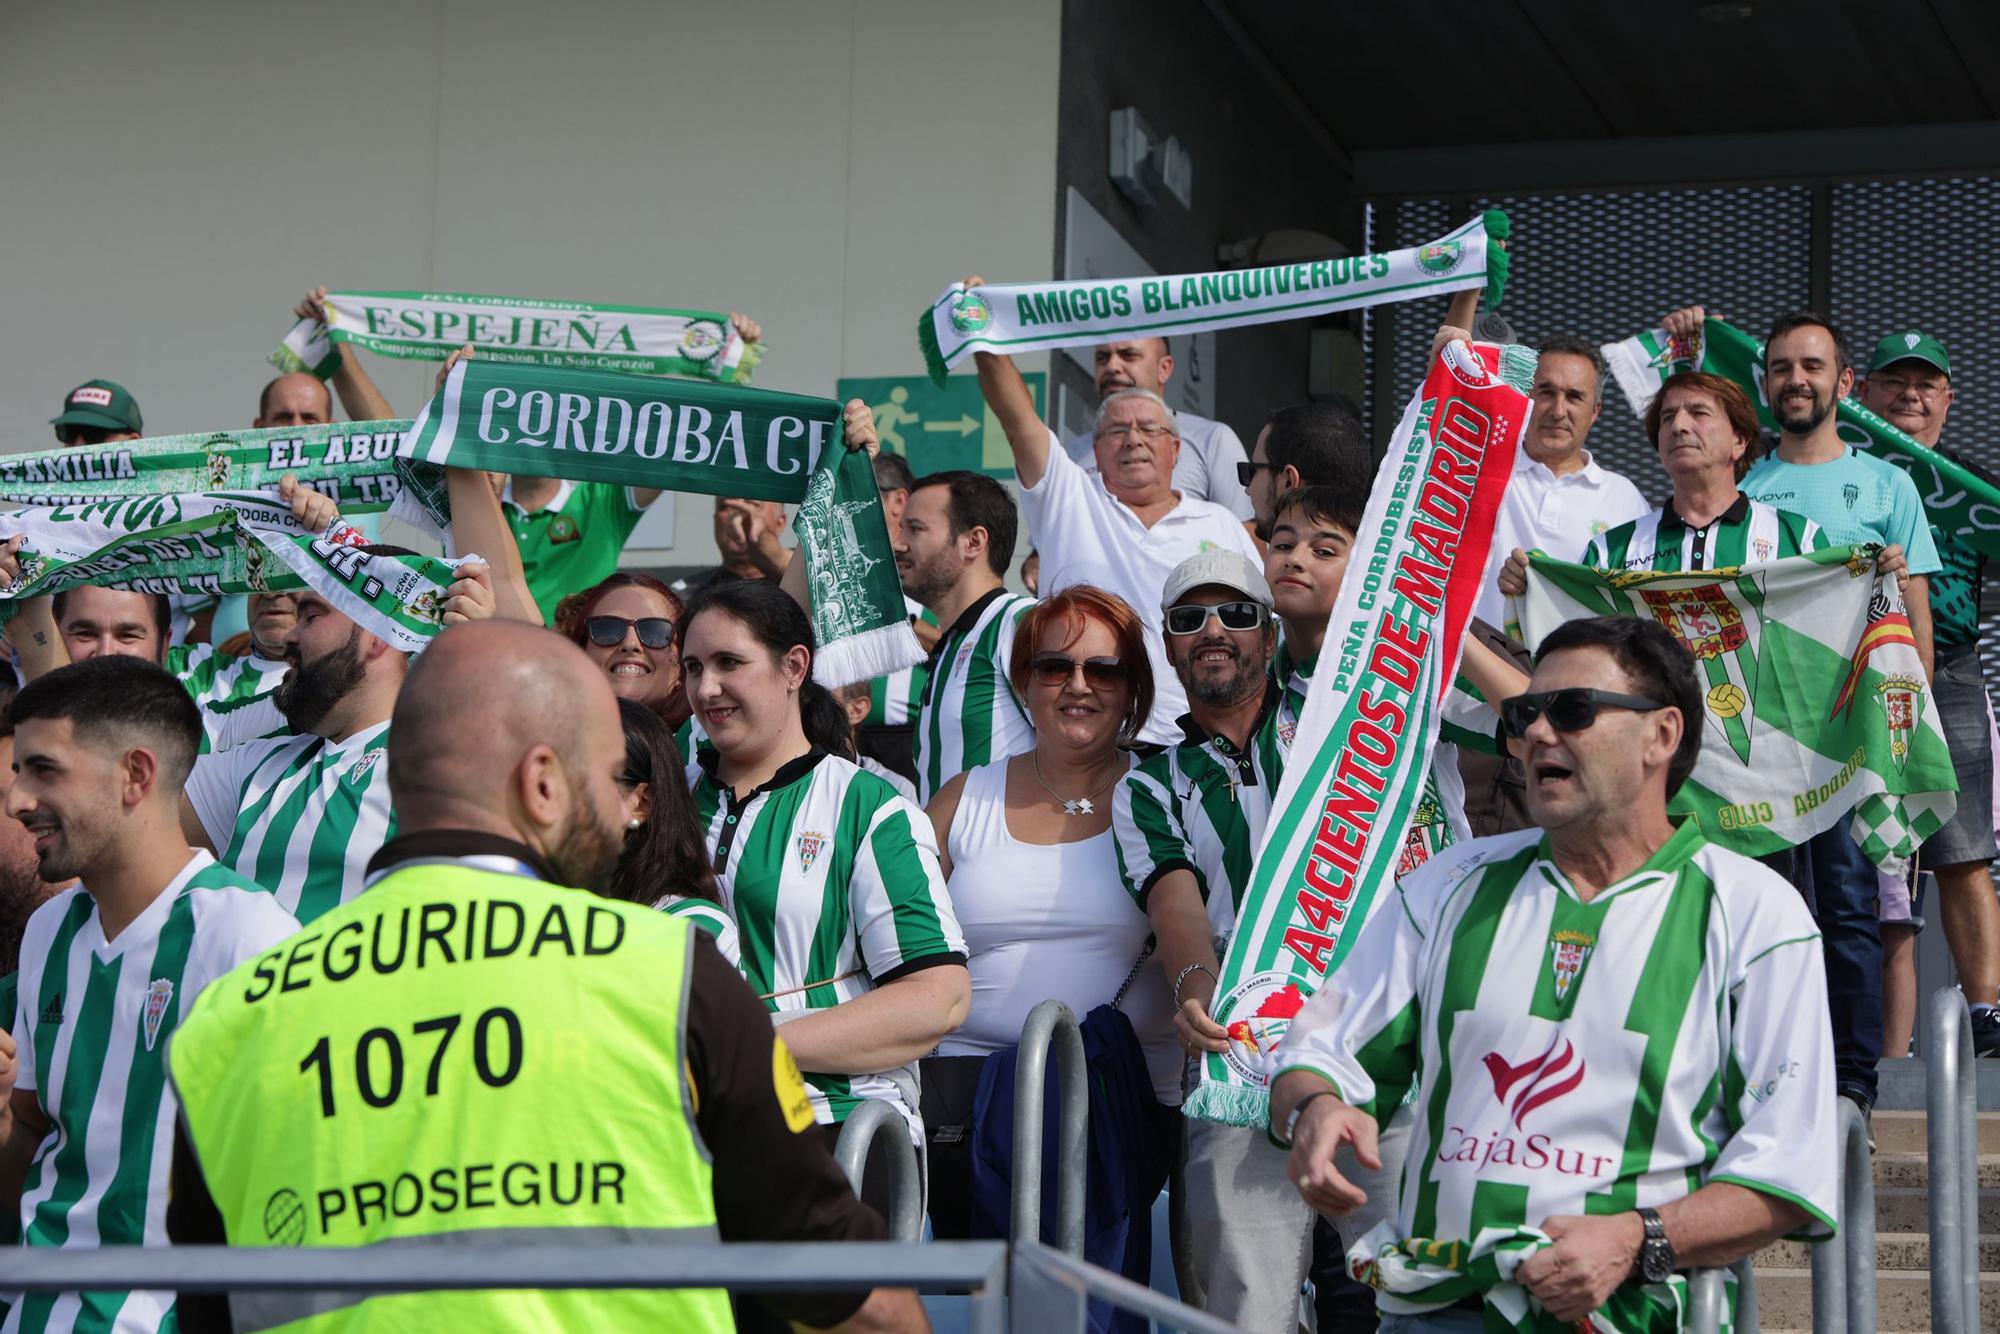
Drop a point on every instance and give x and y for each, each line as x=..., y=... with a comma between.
x=1292, y=1120
x=1657, y=1261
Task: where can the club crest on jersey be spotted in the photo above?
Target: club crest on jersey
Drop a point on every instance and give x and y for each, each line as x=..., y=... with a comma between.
x=1568, y=952
x=809, y=846
x=1763, y=547
x=363, y=765
x=158, y=997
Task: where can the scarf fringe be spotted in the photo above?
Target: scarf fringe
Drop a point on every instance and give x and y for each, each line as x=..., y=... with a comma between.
x=927, y=339
x=863, y=657
x=1230, y=1104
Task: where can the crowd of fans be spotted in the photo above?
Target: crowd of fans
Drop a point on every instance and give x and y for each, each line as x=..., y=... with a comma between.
x=1064, y=800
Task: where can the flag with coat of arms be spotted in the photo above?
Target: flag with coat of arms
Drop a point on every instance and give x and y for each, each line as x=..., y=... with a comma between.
x=1814, y=701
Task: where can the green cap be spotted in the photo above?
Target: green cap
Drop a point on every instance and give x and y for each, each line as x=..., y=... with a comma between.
x=1911, y=346
x=102, y=404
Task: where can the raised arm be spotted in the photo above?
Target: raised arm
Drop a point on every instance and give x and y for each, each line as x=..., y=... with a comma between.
x=358, y=393
x=1013, y=404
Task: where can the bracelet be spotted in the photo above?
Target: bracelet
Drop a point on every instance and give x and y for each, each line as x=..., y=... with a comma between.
x=1182, y=976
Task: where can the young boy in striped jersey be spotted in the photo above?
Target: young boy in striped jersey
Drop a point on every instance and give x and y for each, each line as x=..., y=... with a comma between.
x=107, y=970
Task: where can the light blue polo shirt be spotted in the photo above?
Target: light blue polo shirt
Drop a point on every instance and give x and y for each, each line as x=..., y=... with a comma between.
x=1855, y=498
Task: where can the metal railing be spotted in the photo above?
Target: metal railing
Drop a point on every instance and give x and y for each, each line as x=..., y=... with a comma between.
x=876, y=1121
x=1051, y=1022
x=1843, y=1270
x=1952, y=1095
x=1708, y=1299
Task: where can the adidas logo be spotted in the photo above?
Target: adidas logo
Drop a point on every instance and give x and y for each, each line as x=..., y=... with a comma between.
x=52, y=1012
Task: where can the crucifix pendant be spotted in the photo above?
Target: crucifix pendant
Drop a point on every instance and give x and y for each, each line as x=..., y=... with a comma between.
x=1080, y=806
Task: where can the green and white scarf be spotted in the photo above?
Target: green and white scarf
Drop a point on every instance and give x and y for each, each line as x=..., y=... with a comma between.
x=355, y=463
x=1360, y=760
x=1960, y=501
x=1028, y=317
x=220, y=543
x=1814, y=699
x=430, y=326
x=678, y=435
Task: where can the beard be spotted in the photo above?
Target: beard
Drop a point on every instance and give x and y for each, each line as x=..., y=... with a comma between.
x=1802, y=419
x=1231, y=689
x=22, y=890
x=586, y=855
x=930, y=578
x=310, y=691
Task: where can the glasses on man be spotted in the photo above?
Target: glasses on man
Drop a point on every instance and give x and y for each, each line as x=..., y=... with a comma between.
x=1059, y=669
x=655, y=632
x=1927, y=390
x=1189, y=617
x=1149, y=431
x=1246, y=471
x=1571, y=710
x=82, y=435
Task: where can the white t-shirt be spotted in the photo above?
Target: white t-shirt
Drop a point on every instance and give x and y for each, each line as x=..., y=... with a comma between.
x=1559, y=514
x=1048, y=920
x=1206, y=468
x=1086, y=535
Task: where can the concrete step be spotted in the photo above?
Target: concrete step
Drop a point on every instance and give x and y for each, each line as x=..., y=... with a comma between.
x=1904, y=1132
x=1902, y=1300
x=1907, y=1209
x=1904, y=1251
x=1914, y=1169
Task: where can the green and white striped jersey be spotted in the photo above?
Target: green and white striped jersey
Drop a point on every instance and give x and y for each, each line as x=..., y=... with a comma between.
x=893, y=699
x=970, y=714
x=300, y=815
x=1748, y=532
x=91, y=1027
x=834, y=885
x=1585, y=1058
x=1201, y=806
x=234, y=694
x=711, y=918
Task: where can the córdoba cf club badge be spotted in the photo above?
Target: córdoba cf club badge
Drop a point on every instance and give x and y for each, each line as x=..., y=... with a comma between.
x=158, y=997
x=1570, y=950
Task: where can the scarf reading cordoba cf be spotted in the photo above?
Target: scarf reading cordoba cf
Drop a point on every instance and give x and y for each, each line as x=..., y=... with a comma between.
x=221, y=543
x=681, y=435
x=1029, y=317
x=430, y=326
x=1361, y=754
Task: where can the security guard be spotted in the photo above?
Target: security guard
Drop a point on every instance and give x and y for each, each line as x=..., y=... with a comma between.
x=471, y=1050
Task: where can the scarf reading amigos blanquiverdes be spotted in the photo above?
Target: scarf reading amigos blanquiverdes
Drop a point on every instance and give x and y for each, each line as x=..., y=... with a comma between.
x=430, y=326
x=1361, y=755
x=682, y=435
x=1029, y=317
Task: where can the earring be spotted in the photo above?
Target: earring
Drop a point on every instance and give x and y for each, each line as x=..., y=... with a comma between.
x=634, y=822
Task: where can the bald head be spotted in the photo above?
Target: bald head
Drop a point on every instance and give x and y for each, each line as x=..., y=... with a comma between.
x=294, y=400
x=507, y=728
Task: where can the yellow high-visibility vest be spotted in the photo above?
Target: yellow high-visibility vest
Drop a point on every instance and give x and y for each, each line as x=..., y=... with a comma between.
x=458, y=1054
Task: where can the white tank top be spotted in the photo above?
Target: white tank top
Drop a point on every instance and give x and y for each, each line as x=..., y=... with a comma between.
x=1045, y=920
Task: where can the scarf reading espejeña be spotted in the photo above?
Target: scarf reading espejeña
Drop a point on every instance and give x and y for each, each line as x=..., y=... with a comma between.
x=1029, y=317
x=1814, y=699
x=353, y=462
x=430, y=326
x=713, y=440
x=1958, y=498
x=1360, y=759
x=221, y=543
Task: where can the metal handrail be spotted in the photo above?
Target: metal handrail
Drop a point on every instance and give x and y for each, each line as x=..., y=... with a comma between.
x=865, y=1125
x=1843, y=1271
x=1952, y=1114
x=1708, y=1299
x=1050, y=1293
x=1050, y=1021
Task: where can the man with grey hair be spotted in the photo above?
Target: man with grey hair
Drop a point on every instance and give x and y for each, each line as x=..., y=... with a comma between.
x=1210, y=451
x=1123, y=529
x=1559, y=497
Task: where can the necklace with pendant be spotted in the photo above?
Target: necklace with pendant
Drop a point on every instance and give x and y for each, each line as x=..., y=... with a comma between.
x=1070, y=805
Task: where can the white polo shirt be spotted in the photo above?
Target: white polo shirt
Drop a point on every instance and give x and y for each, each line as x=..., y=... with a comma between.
x=1557, y=514
x=1206, y=468
x=1086, y=535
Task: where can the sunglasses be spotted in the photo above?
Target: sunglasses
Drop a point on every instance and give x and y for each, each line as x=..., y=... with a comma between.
x=609, y=631
x=1059, y=669
x=1570, y=710
x=1246, y=471
x=1189, y=617
x=83, y=435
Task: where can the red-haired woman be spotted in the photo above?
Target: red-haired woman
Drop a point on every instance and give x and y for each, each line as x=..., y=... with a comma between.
x=1033, y=873
x=626, y=625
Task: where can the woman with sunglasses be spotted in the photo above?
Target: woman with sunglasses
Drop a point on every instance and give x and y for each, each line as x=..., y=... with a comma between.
x=664, y=863
x=1034, y=871
x=832, y=879
x=626, y=625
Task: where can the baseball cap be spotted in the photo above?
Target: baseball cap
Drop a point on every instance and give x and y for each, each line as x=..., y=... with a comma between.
x=100, y=403
x=1219, y=566
x=1910, y=346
